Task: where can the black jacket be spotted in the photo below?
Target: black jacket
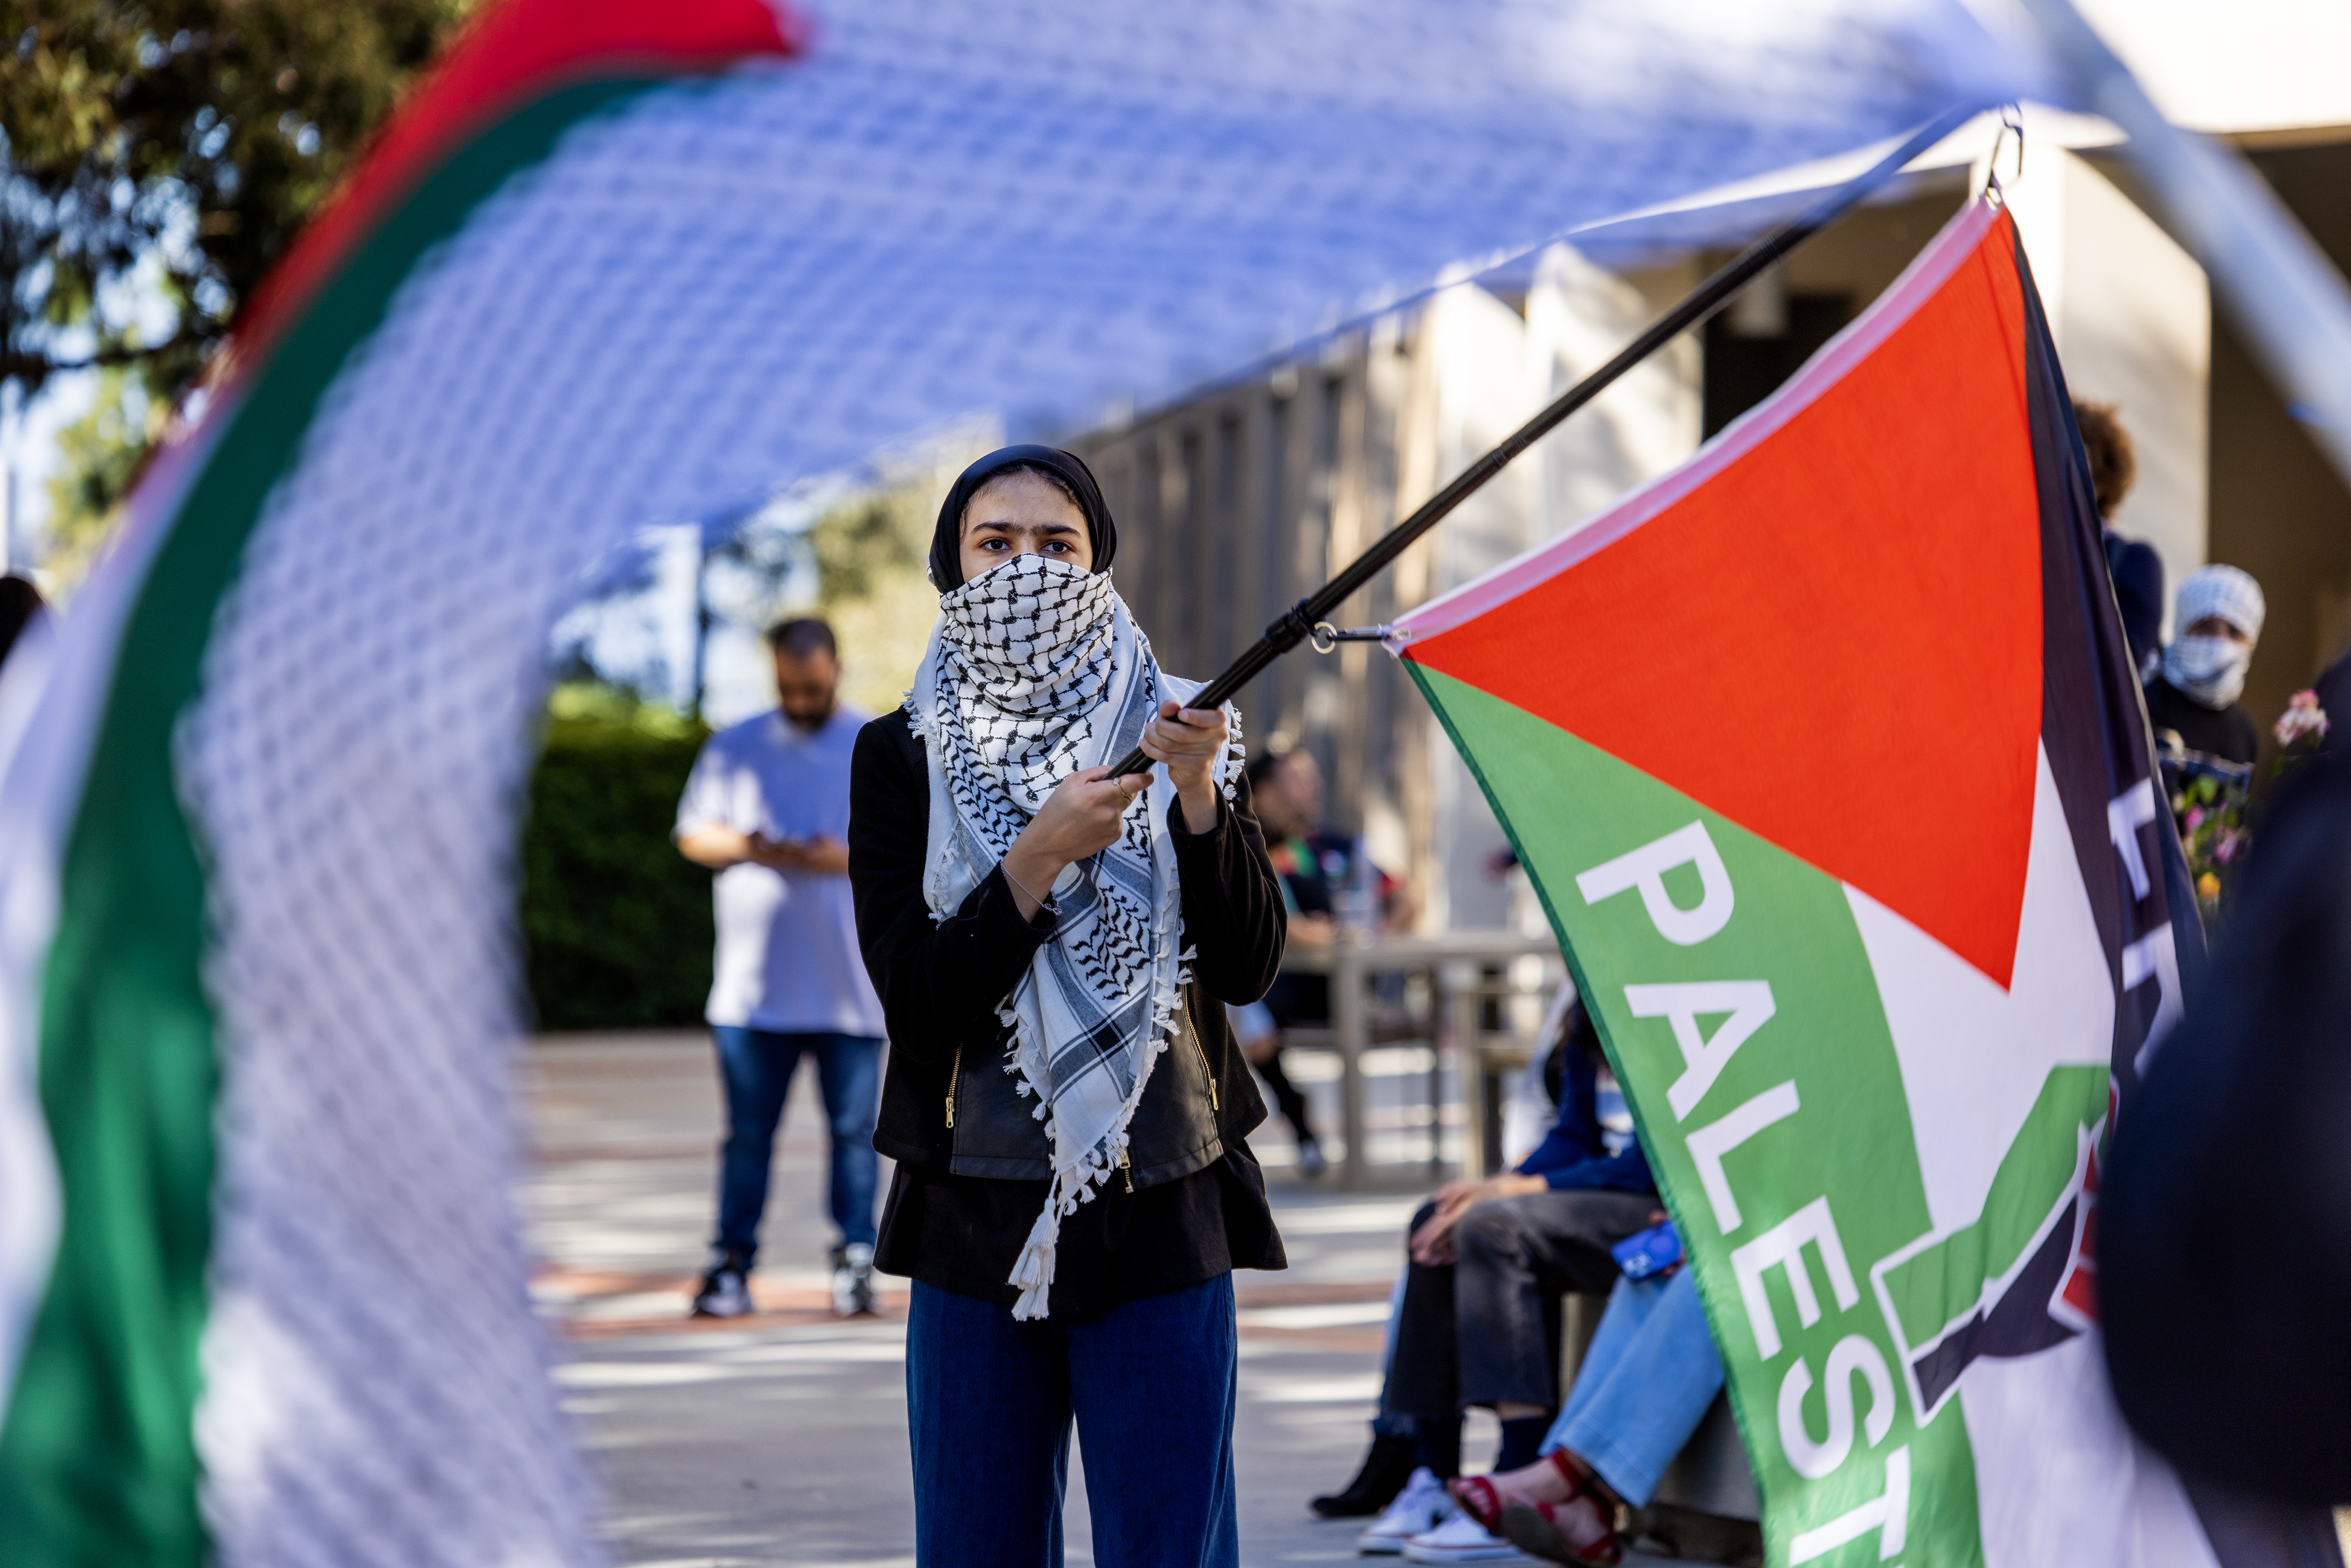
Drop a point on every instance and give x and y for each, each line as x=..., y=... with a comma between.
x=941, y=984
x=2226, y=733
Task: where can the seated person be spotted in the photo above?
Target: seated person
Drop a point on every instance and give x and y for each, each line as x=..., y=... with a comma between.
x=2194, y=693
x=1647, y=1380
x=1389, y=1463
x=1315, y=868
x=1489, y=1261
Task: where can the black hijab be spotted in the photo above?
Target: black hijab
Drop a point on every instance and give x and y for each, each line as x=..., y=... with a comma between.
x=947, y=542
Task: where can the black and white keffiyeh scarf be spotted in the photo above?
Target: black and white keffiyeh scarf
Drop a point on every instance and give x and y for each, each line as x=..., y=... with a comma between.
x=1036, y=670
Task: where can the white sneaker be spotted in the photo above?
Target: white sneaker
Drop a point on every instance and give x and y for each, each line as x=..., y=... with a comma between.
x=1418, y=1510
x=852, y=1280
x=1461, y=1539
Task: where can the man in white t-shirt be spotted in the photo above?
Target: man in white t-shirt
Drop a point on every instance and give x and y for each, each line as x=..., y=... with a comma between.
x=767, y=807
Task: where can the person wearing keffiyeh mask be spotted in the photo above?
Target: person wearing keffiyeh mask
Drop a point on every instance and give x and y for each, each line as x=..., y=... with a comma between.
x=2193, y=694
x=1069, y=1111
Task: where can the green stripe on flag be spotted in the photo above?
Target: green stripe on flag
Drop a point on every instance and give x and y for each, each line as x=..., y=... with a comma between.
x=1805, y=1121
x=98, y=1457
x=1943, y=1283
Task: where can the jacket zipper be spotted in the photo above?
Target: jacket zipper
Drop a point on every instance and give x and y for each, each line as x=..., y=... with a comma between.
x=1127, y=1165
x=1203, y=1049
x=955, y=1076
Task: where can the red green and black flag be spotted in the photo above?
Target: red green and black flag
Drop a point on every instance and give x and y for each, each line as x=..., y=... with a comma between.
x=1827, y=758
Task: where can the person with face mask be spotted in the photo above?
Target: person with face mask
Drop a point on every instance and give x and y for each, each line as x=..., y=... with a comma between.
x=2193, y=694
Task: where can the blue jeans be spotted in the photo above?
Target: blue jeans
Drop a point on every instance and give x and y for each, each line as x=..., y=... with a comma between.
x=988, y=1401
x=755, y=1065
x=1644, y=1385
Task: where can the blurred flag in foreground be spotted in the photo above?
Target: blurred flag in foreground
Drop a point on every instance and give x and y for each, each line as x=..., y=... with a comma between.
x=268, y=1305
x=1825, y=757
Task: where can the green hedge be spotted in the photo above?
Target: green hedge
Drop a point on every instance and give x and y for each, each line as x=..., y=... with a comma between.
x=616, y=923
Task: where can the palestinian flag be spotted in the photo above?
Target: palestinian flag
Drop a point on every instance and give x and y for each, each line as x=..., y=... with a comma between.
x=261, y=1291
x=1825, y=754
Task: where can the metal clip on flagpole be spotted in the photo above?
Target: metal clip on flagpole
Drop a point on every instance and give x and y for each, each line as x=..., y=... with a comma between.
x=1305, y=622
x=2012, y=123
x=1326, y=637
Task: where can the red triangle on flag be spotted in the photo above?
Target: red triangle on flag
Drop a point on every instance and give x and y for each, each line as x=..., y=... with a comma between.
x=1833, y=637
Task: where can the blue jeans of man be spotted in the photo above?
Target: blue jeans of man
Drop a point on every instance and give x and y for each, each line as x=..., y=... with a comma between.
x=755, y=1065
x=989, y=1401
x=1644, y=1386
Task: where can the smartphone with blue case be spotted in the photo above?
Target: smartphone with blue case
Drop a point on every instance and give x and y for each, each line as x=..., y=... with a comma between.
x=1652, y=1252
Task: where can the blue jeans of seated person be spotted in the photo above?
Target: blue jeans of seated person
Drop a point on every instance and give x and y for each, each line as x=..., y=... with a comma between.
x=989, y=1402
x=755, y=1066
x=1644, y=1386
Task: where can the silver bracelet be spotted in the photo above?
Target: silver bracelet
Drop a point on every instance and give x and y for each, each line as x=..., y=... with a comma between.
x=1047, y=904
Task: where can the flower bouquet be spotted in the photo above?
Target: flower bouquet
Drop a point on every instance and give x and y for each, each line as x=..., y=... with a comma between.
x=2215, y=802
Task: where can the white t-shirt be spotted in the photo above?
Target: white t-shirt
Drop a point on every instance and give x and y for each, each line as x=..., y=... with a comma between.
x=787, y=956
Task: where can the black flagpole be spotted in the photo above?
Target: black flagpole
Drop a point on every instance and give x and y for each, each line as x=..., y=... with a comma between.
x=1299, y=623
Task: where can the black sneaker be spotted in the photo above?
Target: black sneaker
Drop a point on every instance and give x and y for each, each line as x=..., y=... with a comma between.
x=1385, y=1469
x=726, y=1291
x=852, y=1280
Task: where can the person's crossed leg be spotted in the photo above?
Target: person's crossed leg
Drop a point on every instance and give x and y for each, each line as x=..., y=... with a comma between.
x=1477, y=1319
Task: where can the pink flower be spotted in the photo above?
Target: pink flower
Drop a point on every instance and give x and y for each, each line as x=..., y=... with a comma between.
x=2195, y=818
x=2303, y=715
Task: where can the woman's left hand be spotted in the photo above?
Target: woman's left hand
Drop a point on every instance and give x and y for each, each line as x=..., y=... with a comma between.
x=1189, y=740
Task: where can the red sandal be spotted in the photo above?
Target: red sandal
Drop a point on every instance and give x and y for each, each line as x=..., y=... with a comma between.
x=1484, y=1501
x=1536, y=1529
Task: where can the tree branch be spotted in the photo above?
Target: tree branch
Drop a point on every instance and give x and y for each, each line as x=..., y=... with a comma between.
x=33, y=369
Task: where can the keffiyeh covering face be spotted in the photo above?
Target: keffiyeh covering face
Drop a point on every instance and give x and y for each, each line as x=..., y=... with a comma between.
x=2225, y=593
x=1036, y=670
x=2210, y=670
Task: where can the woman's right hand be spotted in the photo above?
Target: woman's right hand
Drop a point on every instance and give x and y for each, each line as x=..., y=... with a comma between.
x=1083, y=816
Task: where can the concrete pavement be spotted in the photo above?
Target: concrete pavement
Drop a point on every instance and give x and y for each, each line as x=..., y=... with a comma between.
x=781, y=1439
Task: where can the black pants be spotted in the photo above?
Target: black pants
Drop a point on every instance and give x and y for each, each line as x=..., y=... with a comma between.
x=1286, y=1095
x=1484, y=1330
x=1294, y=999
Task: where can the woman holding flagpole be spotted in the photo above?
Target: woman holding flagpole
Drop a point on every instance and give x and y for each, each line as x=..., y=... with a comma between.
x=1067, y=1107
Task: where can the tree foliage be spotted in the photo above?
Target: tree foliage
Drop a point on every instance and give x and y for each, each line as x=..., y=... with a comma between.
x=616, y=924
x=189, y=136
x=870, y=552
x=98, y=456
x=860, y=544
